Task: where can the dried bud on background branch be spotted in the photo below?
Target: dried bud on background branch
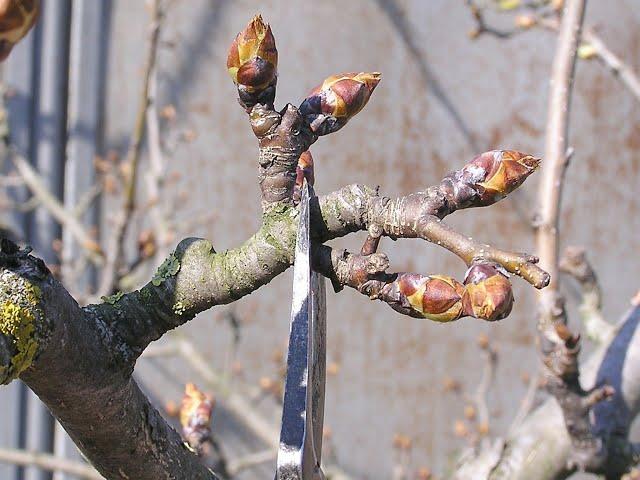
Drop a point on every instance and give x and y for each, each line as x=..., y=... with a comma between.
x=340, y=97
x=16, y=19
x=195, y=416
x=253, y=64
x=490, y=177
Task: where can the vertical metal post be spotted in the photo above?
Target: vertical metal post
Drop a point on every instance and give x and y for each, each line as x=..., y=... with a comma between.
x=49, y=141
x=19, y=77
x=89, y=26
x=86, y=87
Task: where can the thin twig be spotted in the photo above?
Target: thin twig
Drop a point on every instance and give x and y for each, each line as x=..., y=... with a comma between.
x=87, y=199
x=556, y=159
x=48, y=462
x=526, y=404
x=56, y=209
x=480, y=396
x=155, y=175
x=251, y=460
x=614, y=63
x=116, y=242
x=549, y=21
x=604, y=54
x=574, y=262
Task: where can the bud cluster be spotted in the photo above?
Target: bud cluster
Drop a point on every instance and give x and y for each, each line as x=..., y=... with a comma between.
x=485, y=294
x=252, y=63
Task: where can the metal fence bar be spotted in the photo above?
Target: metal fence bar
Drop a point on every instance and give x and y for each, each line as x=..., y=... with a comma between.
x=89, y=26
x=49, y=141
x=19, y=78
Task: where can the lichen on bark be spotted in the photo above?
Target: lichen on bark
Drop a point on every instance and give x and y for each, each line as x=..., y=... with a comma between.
x=169, y=268
x=20, y=316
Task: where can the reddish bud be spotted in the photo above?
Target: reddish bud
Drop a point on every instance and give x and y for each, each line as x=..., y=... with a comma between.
x=499, y=172
x=489, y=177
x=252, y=63
x=16, y=19
x=434, y=297
x=304, y=169
x=488, y=294
x=340, y=97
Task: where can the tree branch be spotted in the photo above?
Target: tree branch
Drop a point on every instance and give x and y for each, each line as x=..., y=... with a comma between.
x=556, y=161
x=95, y=348
x=79, y=361
x=49, y=462
x=574, y=262
x=541, y=447
x=56, y=209
x=109, y=278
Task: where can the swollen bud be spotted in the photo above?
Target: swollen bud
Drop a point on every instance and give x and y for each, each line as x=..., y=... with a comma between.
x=493, y=175
x=488, y=293
x=304, y=169
x=16, y=19
x=434, y=297
x=252, y=63
x=340, y=97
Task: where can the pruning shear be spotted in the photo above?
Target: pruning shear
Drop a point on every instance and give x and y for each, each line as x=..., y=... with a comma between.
x=300, y=448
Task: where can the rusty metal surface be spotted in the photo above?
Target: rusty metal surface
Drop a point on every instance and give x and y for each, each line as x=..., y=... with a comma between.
x=442, y=99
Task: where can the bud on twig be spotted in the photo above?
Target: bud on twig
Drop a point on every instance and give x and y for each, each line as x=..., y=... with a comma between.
x=340, y=97
x=195, y=416
x=490, y=177
x=253, y=63
x=435, y=297
x=488, y=292
x=16, y=19
x=304, y=169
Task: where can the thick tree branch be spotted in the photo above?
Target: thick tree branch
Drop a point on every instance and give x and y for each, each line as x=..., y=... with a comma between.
x=82, y=371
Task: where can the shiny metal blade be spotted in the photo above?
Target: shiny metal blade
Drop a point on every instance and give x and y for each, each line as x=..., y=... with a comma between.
x=319, y=359
x=296, y=454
